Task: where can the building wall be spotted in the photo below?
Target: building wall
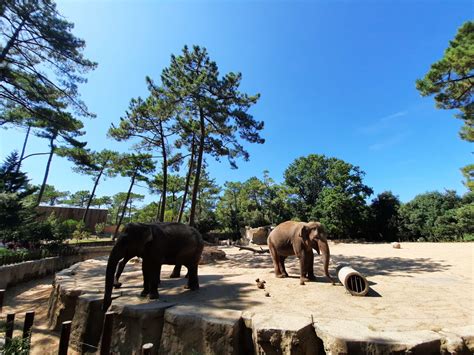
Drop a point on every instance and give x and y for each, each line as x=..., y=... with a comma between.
x=94, y=215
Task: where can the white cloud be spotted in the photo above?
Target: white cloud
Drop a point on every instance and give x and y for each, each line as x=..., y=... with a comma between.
x=382, y=123
x=389, y=142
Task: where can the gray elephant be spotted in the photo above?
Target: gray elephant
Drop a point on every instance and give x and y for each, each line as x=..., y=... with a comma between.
x=299, y=238
x=156, y=244
x=131, y=253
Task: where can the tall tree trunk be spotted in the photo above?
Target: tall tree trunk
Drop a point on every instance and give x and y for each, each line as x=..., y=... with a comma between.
x=165, y=174
x=173, y=204
x=158, y=213
x=23, y=149
x=188, y=180
x=126, y=203
x=91, y=197
x=117, y=215
x=11, y=41
x=46, y=173
x=192, y=213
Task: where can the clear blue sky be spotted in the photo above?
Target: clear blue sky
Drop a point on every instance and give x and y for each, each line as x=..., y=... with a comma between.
x=336, y=78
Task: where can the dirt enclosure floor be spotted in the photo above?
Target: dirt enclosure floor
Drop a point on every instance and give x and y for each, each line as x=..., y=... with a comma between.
x=420, y=287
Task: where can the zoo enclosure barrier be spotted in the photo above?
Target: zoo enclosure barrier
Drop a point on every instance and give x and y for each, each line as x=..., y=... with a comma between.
x=36, y=255
x=106, y=341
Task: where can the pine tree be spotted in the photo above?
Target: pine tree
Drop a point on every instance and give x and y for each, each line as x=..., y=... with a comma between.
x=35, y=36
x=214, y=107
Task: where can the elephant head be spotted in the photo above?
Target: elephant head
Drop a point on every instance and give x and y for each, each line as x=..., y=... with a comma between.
x=315, y=235
x=131, y=242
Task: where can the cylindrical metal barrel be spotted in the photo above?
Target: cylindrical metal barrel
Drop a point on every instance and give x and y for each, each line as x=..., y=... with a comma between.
x=353, y=281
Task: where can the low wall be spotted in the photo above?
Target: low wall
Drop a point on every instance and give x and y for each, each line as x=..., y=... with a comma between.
x=15, y=273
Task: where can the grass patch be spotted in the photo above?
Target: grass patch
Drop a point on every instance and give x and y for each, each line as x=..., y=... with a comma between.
x=469, y=238
x=92, y=239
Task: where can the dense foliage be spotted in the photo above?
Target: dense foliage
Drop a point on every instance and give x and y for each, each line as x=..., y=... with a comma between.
x=451, y=81
x=192, y=114
x=18, y=217
x=41, y=63
x=437, y=216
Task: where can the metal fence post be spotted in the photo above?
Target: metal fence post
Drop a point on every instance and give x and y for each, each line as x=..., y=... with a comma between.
x=29, y=318
x=64, y=340
x=9, y=327
x=2, y=295
x=107, y=333
x=147, y=349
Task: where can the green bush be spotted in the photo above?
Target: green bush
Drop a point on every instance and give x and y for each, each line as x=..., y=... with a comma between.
x=69, y=226
x=80, y=232
x=99, y=228
x=17, y=346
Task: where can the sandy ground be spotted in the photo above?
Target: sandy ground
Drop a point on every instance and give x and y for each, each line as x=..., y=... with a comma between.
x=422, y=286
x=32, y=296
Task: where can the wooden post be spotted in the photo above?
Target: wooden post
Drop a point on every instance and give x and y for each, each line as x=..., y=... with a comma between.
x=9, y=327
x=107, y=333
x=147, y=349
x=64, y=340
x=2, y=294
x=29, y=318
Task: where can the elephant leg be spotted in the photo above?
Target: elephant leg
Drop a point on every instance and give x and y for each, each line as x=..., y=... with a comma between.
x=282, y=265
x=154, y=282
x=120, y=267
x=176, y=272
x=310, y=266
x=146, y=277
x=158, y=273
x=193, y=280
x=303, y=262
x=275, y=260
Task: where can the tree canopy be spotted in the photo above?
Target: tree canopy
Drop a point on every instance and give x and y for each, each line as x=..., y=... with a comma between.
x=41, y=62
x=451, y=81
x=213, y=106
x=330, y=190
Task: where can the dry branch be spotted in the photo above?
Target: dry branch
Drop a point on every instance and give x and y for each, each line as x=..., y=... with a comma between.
x=261, y=251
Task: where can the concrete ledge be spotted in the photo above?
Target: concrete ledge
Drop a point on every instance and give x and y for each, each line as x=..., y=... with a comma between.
x=231, y=315
x=15, y=273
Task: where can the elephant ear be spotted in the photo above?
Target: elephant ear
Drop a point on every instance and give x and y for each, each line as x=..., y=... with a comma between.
x=149, y=235
x=304, y=233
x=315, y=246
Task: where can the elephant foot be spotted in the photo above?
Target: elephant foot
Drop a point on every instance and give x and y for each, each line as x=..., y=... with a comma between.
x=154, y=296
x=282, y=276
x=311, y=278
x=117, y=284
x=192, y=287
x=144, y=293
x=303, y=280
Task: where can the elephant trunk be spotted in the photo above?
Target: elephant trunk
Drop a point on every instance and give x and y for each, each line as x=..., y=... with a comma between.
x=115, y=256
x=325, y=255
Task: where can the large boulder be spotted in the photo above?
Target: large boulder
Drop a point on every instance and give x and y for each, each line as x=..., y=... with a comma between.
x=211, y=254
x=188, y=329
x=258, y=235
x=278, y=333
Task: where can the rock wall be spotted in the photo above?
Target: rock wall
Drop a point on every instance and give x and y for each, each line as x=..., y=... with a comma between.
x=13, y=274
x=186, y=329
x=197, y=329
x=258, y=235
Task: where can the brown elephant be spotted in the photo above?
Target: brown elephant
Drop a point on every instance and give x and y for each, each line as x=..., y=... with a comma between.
x=299, y=238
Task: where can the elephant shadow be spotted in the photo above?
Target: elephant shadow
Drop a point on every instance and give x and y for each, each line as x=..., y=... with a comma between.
x=405, y=267
x=214, y=291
